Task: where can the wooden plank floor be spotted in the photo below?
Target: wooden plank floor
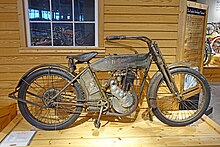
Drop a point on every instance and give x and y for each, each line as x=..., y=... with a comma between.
x=127, y=132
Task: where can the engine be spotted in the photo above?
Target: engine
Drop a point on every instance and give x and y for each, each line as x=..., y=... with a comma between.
x=122, y=98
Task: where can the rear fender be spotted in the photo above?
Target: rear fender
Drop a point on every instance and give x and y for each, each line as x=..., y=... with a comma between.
x=57, y=66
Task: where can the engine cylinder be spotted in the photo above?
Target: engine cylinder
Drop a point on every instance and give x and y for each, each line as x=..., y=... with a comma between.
x=122, y=100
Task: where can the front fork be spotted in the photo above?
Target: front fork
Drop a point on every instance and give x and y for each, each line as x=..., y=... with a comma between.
x=160, y=61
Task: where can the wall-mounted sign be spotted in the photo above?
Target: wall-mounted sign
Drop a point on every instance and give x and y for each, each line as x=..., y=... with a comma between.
x=193, y=46
x=217, y=5
x=196, y=11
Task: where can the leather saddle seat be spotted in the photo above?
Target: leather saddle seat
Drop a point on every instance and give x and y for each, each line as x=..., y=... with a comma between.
x=85, y=57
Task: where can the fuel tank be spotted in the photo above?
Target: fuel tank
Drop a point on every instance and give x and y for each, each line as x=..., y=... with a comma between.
x=120, y=62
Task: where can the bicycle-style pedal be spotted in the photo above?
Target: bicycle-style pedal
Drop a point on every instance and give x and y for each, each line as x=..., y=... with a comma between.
x=97, y=123
x=149, y=116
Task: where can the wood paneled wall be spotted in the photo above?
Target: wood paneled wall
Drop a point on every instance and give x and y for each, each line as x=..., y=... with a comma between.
x=9, y=44
x=157, y=19
x=212, y=73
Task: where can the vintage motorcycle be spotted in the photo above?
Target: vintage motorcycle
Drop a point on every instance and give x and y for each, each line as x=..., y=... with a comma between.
x=52, y=96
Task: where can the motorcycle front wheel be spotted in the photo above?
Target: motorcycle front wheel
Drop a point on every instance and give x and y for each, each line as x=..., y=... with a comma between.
x=192, y=102
x=50, y=114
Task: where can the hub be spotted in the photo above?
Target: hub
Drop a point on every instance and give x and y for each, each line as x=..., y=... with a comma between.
x=179, y=98
x=48, y=95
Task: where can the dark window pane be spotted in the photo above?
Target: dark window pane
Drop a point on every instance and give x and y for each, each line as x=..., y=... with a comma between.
x=62, y=10
x=85, y=34
x=40, y=34
x=39, y=10
x=62, y=34
x=84, y=10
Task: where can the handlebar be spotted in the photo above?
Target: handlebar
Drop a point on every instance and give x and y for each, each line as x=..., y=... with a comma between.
x=115, y=37
x=143, y=38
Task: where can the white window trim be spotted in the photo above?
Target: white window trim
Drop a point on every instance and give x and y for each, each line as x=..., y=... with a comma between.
x=27, y=29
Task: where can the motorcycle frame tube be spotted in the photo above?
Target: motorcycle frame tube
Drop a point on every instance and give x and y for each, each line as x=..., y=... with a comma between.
x=149, y=61
x=76, y=77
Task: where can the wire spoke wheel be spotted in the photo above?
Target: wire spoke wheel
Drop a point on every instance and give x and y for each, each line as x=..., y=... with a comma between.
x=53, y=112
x=189, y=105
x=216, y=45
x=210, y=29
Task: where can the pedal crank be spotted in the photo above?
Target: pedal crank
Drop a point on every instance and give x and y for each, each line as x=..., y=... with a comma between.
x=102, y=105
x=97, y=122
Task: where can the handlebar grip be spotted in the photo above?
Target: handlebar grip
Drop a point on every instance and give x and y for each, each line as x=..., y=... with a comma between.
x=115, y=37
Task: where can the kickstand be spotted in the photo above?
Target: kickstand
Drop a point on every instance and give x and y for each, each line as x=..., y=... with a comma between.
x=97, y=123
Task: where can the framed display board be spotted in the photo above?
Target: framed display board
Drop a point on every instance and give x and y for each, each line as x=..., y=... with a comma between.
x=194, y=38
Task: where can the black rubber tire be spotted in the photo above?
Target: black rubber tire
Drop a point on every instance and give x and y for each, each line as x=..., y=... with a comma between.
x=25, y=111
x=207, y=90
x=207, y=54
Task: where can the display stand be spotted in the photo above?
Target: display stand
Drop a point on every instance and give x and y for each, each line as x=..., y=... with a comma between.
x=125, y=131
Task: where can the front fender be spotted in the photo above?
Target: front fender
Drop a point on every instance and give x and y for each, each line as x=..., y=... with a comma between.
x=179, y=64
x=151, y=95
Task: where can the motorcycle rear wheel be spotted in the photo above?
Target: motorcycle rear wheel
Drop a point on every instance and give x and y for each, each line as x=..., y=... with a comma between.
x=39, y=88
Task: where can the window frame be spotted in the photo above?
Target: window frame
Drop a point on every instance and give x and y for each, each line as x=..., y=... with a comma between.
x=99, y=34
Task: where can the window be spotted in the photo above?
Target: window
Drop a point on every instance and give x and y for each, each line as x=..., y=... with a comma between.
x=51, y=23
